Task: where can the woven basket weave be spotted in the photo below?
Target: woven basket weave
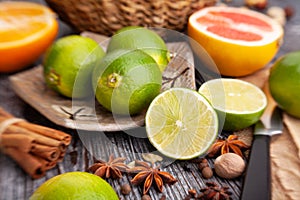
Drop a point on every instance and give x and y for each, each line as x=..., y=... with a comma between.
x=107, y=16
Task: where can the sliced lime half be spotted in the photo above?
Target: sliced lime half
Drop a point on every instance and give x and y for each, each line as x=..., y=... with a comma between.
x=181, y=123
x=241, y=102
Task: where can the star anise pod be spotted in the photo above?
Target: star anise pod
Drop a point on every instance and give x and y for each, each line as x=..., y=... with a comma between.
x=112, y=168
x=146, y=173
x=231, y=144
x=214, y=192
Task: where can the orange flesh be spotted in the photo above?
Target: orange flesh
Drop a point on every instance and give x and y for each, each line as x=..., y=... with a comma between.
x=18, y=24
x=217, y=23
x=26, y=31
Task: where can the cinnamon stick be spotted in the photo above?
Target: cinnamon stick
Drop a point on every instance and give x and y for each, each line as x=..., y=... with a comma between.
x=52, y=133
x=46, y=152
x=27, y=162
x=40, y=139
x=34, y=147
x=24, y=143
x=49, y=132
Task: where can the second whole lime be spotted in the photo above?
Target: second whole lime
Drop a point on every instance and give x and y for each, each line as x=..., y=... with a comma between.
x=126, y=81
x=136, y=37
x=284, y=83
x=68, y=65
x=75, y=186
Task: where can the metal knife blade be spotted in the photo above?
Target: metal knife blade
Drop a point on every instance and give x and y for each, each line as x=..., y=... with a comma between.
x=275, y=125
x=257, y=182
x=276, y=122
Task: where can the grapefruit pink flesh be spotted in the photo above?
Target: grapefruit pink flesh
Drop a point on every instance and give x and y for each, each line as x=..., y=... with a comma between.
x=231, y=33
x=244, y=19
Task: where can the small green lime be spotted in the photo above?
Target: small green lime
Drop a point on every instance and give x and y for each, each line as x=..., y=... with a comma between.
x=75, y=186
x=68, y=65
x=126, y=81
x=284, y=83
x=181, y=123
x=136, y=37
x=239, y=102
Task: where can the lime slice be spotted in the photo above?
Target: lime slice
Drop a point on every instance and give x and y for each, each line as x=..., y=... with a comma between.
x=241, y=102
x=181, y=123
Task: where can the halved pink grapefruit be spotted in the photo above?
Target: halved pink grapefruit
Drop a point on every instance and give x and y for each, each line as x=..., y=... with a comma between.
x=239, y=40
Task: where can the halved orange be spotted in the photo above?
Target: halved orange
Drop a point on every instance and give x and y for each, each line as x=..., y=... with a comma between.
x=239, y=40
x=26, y=31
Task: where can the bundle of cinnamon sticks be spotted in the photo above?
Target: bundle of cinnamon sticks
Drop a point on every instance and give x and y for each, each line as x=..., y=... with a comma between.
x=34, y=147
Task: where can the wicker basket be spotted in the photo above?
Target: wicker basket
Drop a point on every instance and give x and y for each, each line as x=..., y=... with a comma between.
x=107, y=16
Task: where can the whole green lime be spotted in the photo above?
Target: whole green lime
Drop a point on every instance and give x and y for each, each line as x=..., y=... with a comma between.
x=75, y=186
x=68, y=65
x=136, y=37
x=126, y=81
x=284, y=83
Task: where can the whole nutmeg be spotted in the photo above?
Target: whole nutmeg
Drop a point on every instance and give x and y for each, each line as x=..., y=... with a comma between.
x=229, y=165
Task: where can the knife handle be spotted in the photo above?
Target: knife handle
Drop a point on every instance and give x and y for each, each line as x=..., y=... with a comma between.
x=257, y=182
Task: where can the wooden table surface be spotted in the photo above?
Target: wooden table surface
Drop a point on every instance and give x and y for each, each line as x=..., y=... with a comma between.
x=15, y=184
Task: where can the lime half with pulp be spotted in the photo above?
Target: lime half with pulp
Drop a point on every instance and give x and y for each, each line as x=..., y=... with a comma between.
x=241, y=102
x=181, y=123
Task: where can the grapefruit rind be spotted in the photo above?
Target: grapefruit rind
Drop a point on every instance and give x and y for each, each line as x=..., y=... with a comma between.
x=235, y=57
x=268, y=35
